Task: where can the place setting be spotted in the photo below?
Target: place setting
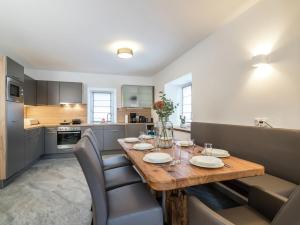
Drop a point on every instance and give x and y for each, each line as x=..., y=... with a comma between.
x=210, y=157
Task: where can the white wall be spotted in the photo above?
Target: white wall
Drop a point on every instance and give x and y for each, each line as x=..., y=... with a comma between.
x=90, y=80
x=226, y=88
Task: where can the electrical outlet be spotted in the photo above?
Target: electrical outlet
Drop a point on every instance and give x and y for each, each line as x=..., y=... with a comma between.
x=261, y=122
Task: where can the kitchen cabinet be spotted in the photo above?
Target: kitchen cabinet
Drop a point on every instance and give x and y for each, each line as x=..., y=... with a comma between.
x=42, y=92
x=51, y=141
x=14, y=69
x=133, y=130
x=29, y=91
x=70, y=92
x=137, y=96
x=15, y=138
x=111, y=135
x=53, y=93
x=34, y=145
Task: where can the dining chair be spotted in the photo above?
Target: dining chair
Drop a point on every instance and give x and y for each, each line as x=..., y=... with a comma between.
x=264, y=208
x=114, y=177
x=128, y=205
x=111, y=162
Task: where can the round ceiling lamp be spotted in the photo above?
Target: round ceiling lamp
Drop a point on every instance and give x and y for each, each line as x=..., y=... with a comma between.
x=125, y=53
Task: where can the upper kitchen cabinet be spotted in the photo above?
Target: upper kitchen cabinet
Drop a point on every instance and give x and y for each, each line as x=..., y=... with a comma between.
x=70, y=92
x=42, y=92
x=29, y=91
x=14, y=69
x=137, y=96
x=53, y=96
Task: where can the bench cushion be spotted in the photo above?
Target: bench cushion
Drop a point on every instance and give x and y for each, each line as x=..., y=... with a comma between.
x=244, y=215
x=115, y=161
x=133, y=205
x=120, y=176
x=270, y=183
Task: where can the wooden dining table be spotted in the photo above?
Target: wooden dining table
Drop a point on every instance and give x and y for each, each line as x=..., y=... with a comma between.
x=172, y=179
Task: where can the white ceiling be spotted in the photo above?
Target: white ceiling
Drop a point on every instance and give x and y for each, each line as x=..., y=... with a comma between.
x=79, y=35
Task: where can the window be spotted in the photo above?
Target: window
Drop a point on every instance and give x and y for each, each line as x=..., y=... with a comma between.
x=187, y=102
x=102, y=106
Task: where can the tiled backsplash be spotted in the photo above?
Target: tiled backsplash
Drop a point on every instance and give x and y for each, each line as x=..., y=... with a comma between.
x=56, y=114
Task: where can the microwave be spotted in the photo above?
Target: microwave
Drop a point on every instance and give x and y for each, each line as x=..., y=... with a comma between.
x=14, y=90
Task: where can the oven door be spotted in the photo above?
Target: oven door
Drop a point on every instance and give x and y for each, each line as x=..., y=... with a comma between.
x=14, y=90
x=67, y=139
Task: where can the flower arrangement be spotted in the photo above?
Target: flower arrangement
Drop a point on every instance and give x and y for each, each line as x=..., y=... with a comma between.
x=164, y=107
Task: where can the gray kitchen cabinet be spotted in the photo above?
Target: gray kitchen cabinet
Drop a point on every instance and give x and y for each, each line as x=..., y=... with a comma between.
x=70, y=92
x=15, y=138
x=29, y=91
x=34, y=145
x=42, y=92
x=133, y=130
x=53, y=93
x=98, y=131
x=111, y=135
x=51, y=141
x=14, y=69
x=137, y=96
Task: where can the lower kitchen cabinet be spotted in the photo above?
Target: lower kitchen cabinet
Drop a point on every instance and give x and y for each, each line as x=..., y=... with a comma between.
x=51, y=141
x=34, y=145
x=111, y=135
x=133, y=130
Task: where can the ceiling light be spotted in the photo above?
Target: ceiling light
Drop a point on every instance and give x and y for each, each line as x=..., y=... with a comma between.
x=124, y=53
x=260, y=60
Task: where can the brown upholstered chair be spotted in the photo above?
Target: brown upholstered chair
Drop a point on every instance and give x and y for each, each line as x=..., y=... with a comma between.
x=263, y=208
x=114, y=177
x=128, y=205
x=111, y=162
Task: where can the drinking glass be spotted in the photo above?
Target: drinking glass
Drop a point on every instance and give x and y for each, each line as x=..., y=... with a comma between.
x=142, y=136
x=208, y=148
x=156, y=143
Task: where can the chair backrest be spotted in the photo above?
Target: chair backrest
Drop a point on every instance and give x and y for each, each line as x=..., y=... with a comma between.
x=91, y=136
x=277, y=149
x=93, y=173
x=289, y=213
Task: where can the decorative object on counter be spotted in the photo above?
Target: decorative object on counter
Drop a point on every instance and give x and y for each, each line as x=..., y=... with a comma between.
x=182, y=121
x=76, y=121
x=164, y=128
x=65, y=123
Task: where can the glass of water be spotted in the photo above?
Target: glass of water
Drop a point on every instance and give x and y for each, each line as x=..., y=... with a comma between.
x=208, y=148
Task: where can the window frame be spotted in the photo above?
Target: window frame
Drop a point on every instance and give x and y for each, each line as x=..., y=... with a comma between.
x=91, y=105
x=182, y=101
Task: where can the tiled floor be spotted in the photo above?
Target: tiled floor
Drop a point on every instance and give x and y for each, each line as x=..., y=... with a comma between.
x=53, y=191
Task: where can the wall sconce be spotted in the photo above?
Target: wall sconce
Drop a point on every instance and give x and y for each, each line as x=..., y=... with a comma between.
x=260, y=60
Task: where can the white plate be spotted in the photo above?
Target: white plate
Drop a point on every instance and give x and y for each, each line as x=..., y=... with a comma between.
x=131, y=140
x=184, y=143
x=147, y=137
x=157, y=157
x=207, y=161
x=143, y=146
x=220, y=153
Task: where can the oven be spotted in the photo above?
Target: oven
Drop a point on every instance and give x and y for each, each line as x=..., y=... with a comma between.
x=14, y=90
x=67, y=137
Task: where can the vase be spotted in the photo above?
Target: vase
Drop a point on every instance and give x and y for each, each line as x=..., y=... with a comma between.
x=164, y=132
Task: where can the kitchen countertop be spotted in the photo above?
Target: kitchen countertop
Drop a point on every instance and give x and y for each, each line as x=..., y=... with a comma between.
x=28, y=127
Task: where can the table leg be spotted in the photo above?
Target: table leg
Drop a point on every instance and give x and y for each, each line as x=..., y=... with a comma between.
x=176, y=207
